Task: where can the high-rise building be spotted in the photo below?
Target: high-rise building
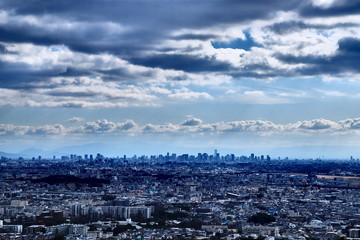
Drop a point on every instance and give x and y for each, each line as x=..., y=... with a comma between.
x=216, y=155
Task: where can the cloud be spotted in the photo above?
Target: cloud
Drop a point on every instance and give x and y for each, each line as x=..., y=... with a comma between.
x=195, y=126
x=182, y=62
x=317, y=124
x=47, y=130
x=194, y=36
x=260, y=127
x=254, y=93
x=123, y=28
x=75, y=119
x=2, y=48
x=192, y=122
x=331, y=8
x=163, y=128
x=75, y=104
x=350, y=123
x=288, y=27
x=190, y=95
x=152, y=14
x=246, y=126
x=345, y=60
x=72, y=54
x=105, y=126
x=13, y=130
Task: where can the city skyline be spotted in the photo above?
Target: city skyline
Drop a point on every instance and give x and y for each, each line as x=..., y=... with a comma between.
x=182, y=76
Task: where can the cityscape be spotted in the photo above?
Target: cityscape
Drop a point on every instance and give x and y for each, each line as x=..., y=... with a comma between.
x=179, y=120
x=170, y=196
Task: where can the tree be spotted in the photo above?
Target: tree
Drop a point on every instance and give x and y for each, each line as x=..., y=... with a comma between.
x=92, y=228
x=108, y=197
x=262, y=218
x=58, y=237
x=121, y=228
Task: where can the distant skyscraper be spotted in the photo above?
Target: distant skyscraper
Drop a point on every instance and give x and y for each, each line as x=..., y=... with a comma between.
x=216, y=155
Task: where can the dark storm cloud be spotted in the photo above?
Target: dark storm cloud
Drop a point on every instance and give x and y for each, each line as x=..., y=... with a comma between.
x=232, y=11
x=23, y=76
x=191, y=36
x=147, y=21
x=255, y=75
x=73, y=72
x=2, y=48
x=90, y=38
x=258, y=71
x=169, y=14
x=182, y=62
x=58, y=93
x=350, y=46
x=19, y=75
x=123, y=74
x=308, y=59
x=293, y=26
x=21, y=35
x=346, y=59
x=338, y=8
x=143, y=25
x=187, y=49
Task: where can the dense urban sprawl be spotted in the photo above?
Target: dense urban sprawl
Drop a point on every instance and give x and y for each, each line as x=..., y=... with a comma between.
x=179, y=197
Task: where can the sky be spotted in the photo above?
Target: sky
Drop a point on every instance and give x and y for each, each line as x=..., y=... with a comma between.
x=153, y=76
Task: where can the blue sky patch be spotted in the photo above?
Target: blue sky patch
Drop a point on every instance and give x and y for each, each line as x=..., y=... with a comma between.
x=237, y=43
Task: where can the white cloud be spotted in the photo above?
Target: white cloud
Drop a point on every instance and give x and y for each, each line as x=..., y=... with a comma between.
x=163, y=128
x=350, y=123
x=11, y=130
x=257, y=97
x=105, y=126
x=190, y=125
x=323, y=3
x=192, y=122
x=332, y=93
x=186, y=94
x=230, y=91
x=254, y=93
x=317, y=124
x=75, y=119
